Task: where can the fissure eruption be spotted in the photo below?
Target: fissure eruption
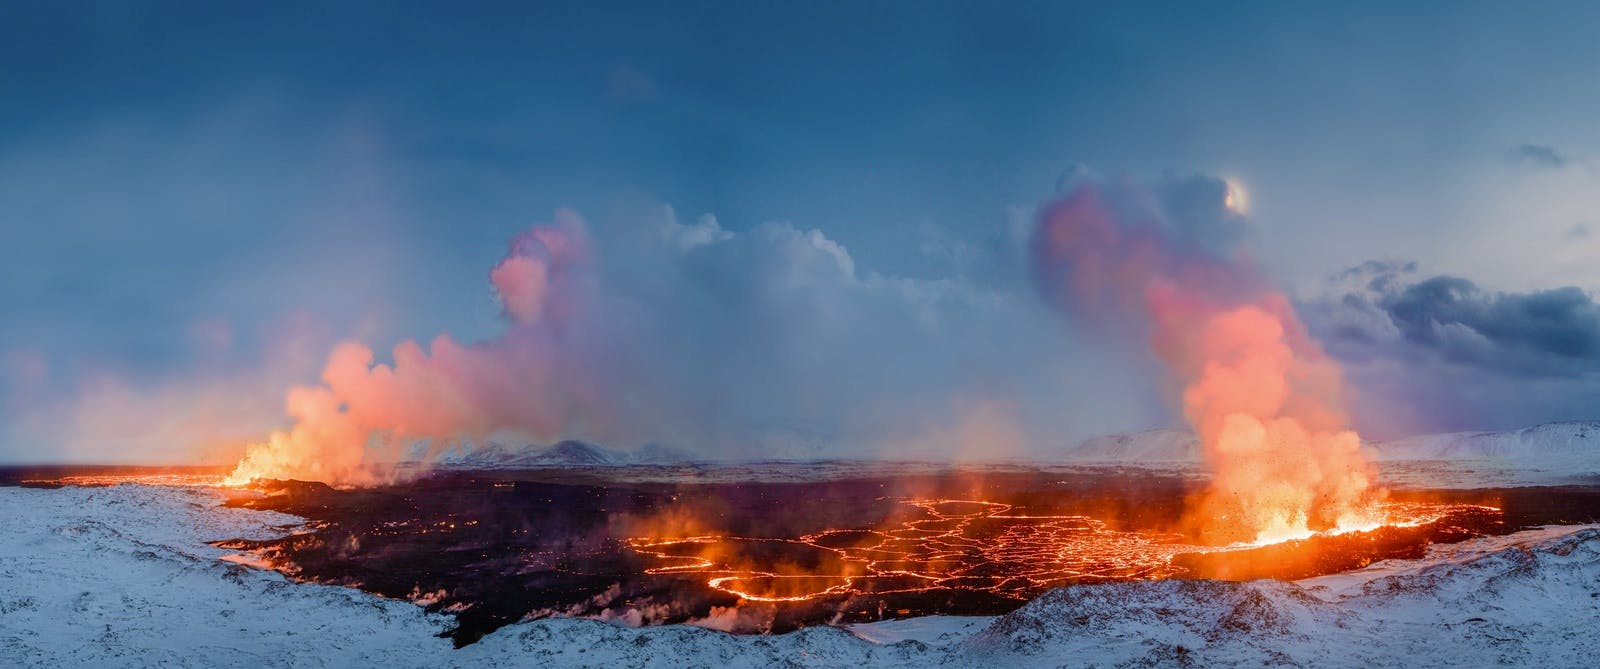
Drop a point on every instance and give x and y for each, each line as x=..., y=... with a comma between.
x=1265, y=400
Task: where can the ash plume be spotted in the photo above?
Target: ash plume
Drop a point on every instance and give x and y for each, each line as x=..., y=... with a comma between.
x=1163, y=265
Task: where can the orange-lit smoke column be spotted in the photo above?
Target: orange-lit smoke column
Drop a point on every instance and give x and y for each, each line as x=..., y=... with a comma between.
x=532, y=379
x=1263, y=397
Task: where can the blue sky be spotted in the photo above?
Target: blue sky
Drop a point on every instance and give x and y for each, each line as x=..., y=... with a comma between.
x=199, y=200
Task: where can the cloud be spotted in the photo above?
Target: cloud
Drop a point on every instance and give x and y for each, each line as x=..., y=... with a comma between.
x=1539, y=155
x=770, y=341
x=778, y=340
x=1391, y=312
x=1196, y=207
x=704, y=231
x=1442, y=352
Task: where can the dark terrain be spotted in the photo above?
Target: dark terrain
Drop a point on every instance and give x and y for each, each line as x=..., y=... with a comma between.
x=497, y=547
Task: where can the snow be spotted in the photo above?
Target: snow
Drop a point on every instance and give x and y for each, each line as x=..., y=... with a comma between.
x=932, y=631
x=1552, y=453
x=1549, y=440
x=121, y=576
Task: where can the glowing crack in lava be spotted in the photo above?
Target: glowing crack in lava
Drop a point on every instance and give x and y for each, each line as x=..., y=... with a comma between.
x=1265, y=400
x=952, y=544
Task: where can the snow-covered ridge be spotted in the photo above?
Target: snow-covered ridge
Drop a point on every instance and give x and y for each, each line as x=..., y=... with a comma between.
x=121, y=577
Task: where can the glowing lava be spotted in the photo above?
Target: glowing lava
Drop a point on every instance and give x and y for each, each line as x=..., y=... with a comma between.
x=953, y=544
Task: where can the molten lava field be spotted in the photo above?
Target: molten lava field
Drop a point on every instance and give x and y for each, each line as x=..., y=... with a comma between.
x=496, y=548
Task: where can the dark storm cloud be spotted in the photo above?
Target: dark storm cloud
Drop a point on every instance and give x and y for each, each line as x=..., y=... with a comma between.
x=1441, y=352
x=1389, y=312
x=1539, y=155
x=1561, y=324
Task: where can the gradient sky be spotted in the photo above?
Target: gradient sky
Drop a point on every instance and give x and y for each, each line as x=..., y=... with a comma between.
x=199, y=199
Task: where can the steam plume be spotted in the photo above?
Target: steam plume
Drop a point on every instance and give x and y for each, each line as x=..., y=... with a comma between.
x=1263, y=397
x=532, y=380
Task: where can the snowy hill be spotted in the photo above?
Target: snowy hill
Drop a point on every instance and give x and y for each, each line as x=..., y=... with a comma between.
x=570, y=453
x=1548, y=454
x=1164, y=446
x=1521, y=600
x=1540, y=442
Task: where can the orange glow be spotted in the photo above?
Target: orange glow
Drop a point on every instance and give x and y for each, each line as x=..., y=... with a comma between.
x=952, y=544
x=1269, y=415
x=1266, y=401
x=365, y=412
x=94, y=480
x=327, y=442
x=110, y=475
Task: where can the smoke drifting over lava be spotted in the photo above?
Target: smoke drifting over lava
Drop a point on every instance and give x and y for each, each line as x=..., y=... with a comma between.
x=756, y=343
x=1164, y=265
x=532, y=379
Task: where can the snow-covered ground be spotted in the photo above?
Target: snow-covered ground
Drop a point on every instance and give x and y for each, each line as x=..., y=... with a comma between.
x=121, y=576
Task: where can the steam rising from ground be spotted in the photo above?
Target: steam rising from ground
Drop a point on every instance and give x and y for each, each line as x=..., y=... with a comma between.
x=530, y=379
x=1163, y=265
x=614, y=361
x=764, y=342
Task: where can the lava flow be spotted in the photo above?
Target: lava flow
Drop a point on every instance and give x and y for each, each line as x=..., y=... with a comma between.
x=976, y=546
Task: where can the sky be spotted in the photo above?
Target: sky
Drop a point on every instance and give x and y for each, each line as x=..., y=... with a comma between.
x=805, y=226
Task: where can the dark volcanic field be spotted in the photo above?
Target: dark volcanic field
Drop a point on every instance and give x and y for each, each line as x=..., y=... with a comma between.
x=509, y=544
x=497, y=547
